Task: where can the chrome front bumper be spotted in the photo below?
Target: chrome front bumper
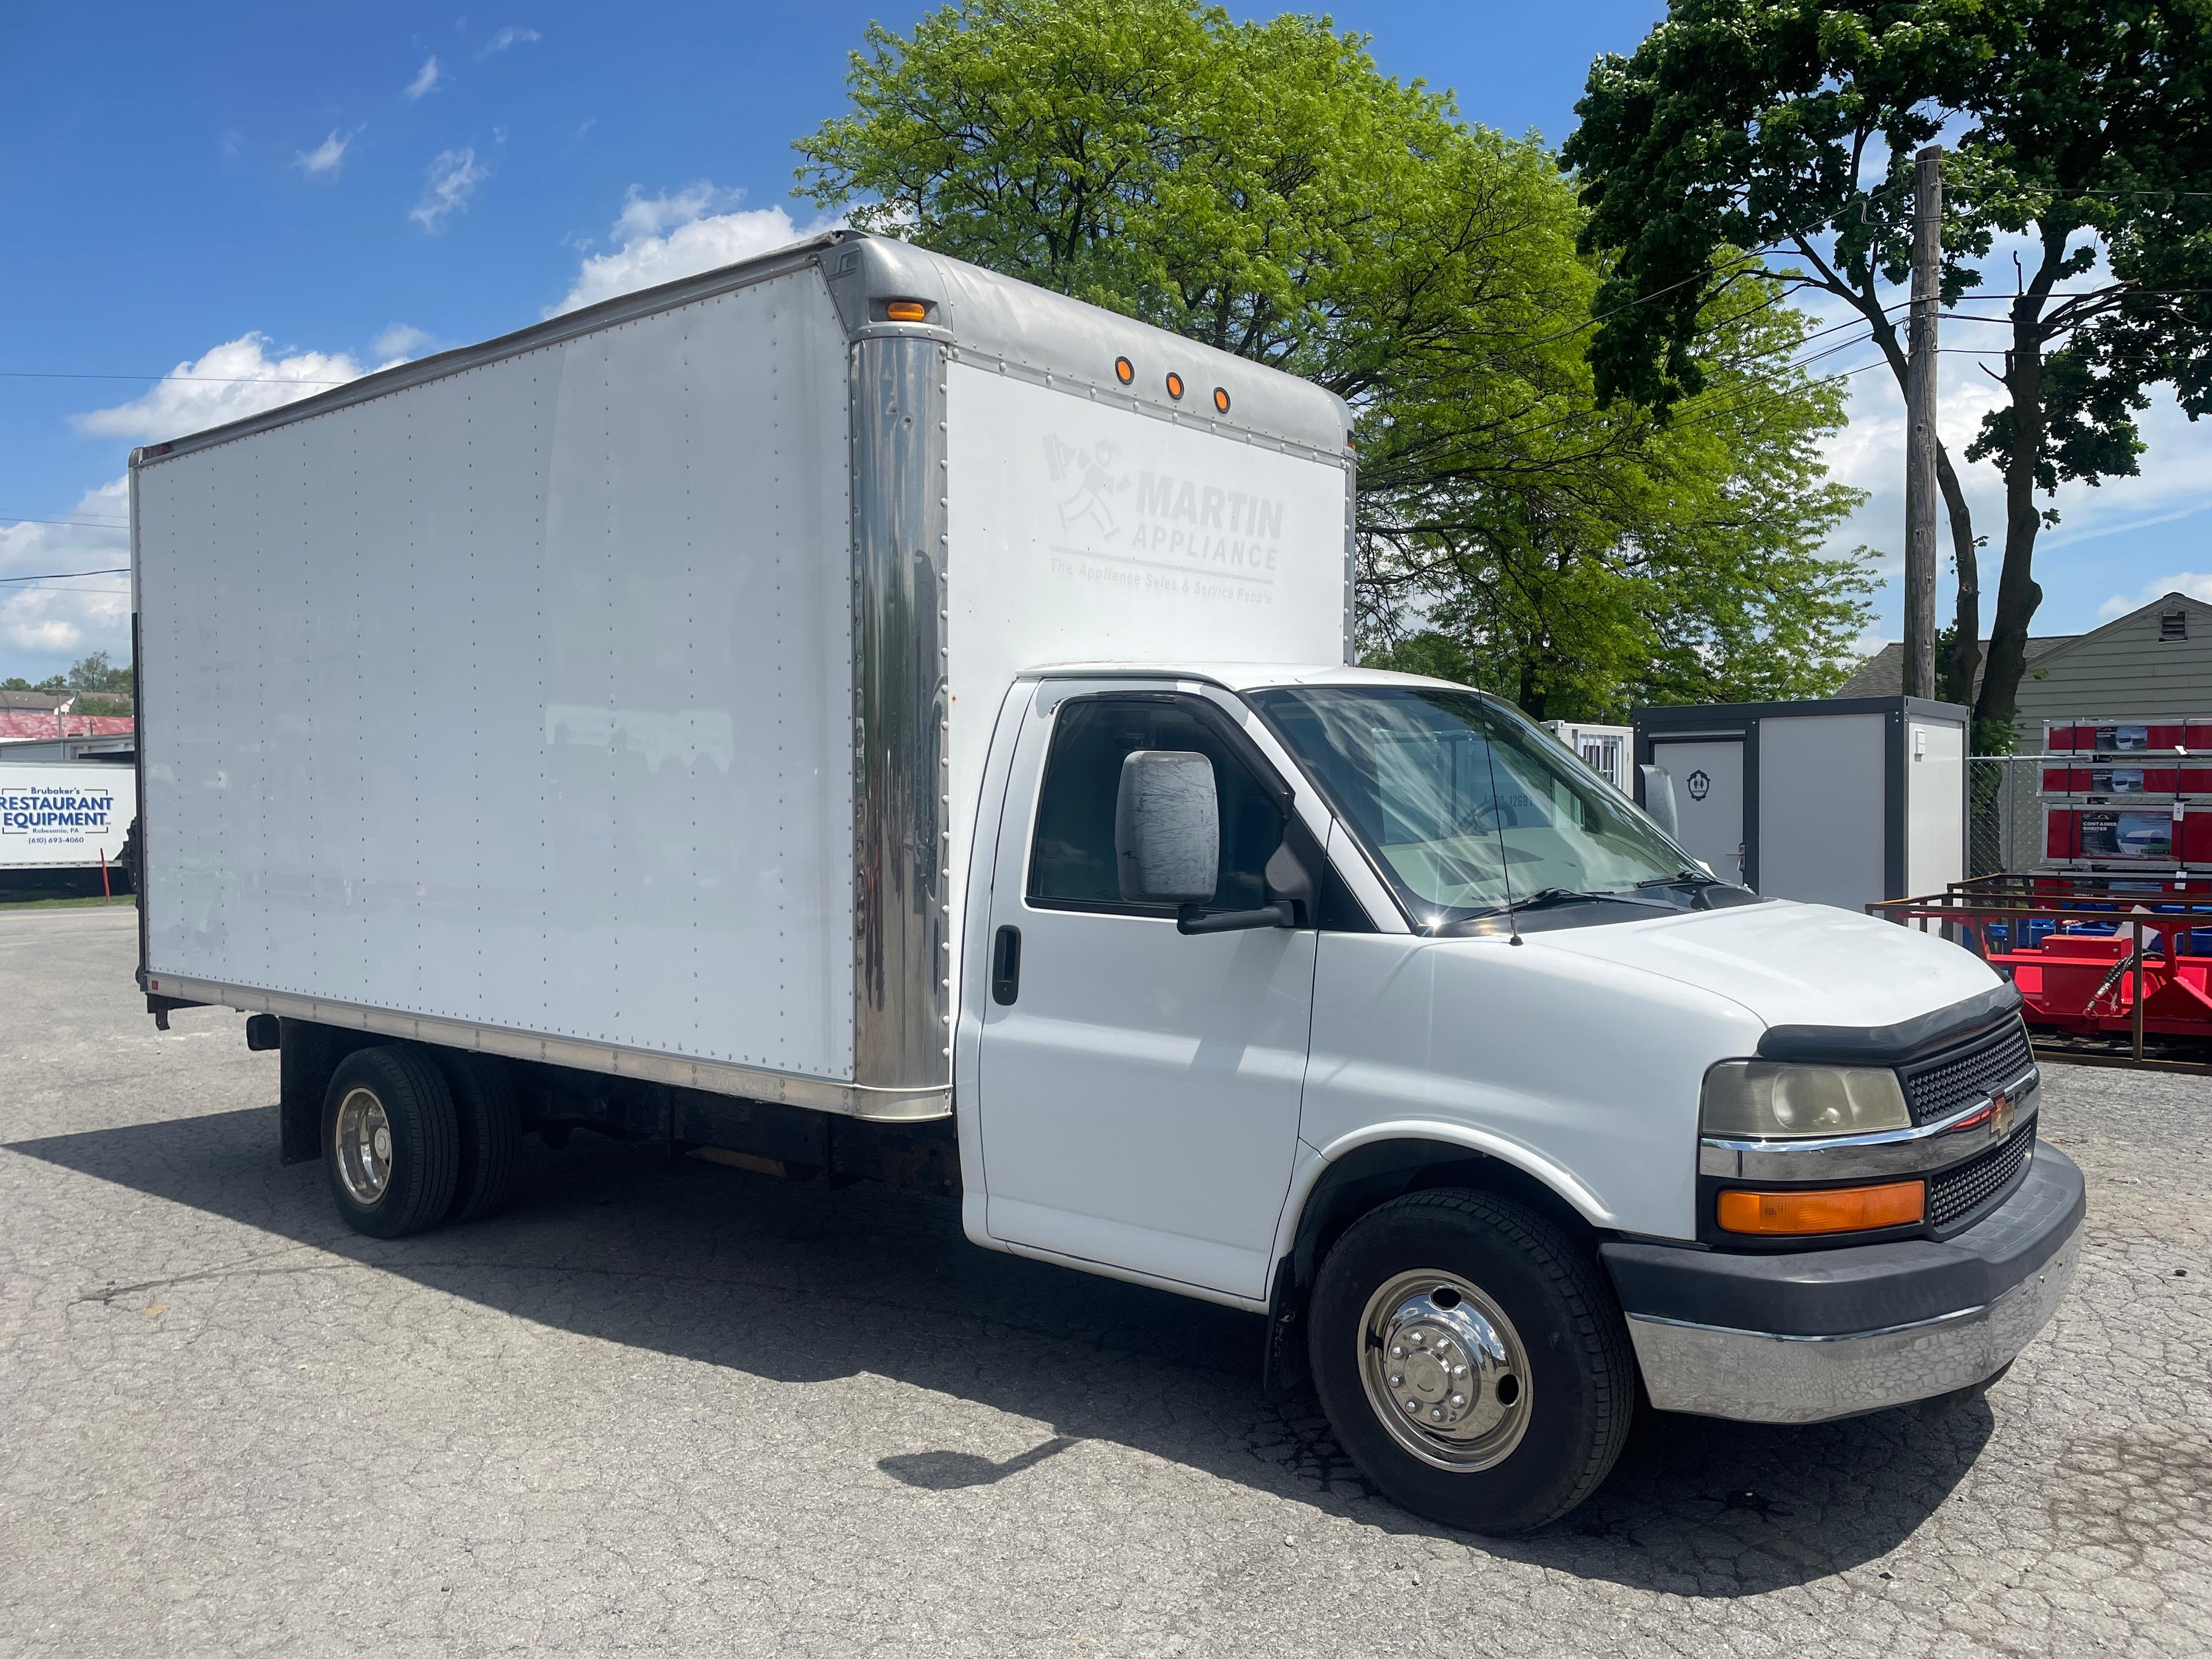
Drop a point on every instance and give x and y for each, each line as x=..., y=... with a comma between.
x=1809, y=1336
x=1757, y=1377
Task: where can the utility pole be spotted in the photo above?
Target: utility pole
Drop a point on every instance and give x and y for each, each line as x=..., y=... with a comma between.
x=1920, y=428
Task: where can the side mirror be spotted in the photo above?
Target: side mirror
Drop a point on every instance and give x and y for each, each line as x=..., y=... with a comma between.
x=1167, y=828
x=1659, y=799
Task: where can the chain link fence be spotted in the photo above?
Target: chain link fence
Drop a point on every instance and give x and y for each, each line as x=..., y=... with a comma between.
x=2004, y=813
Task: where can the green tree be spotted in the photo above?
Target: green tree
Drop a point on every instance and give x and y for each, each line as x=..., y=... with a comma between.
x=1263, y=188
x=1750, y=139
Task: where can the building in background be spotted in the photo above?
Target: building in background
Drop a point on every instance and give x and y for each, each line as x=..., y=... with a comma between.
x=2154, y=662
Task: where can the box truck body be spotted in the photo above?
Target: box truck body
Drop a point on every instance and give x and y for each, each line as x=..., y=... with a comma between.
x=854, y=714
x=610, y=693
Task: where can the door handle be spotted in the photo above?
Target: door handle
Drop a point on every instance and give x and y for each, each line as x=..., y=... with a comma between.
x=1006, y=966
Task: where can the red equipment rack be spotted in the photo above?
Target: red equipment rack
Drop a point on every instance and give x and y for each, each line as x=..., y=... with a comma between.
x=2096, y=961
x=2127, y=795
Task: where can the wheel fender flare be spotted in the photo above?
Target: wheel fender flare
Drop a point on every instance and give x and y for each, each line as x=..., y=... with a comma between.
x=1310, y=1172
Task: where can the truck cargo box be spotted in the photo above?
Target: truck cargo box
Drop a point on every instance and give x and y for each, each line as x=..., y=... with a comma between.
x=616, y=693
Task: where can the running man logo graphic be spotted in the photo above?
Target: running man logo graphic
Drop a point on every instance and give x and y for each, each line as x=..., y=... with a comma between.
x=1093, y=484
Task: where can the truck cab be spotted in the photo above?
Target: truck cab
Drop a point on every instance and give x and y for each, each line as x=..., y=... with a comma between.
x=1354, y=999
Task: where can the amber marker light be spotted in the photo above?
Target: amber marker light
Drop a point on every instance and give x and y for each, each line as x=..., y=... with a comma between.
x=1836, y=1209
x=907, y=311
x=1221, y=399
x=1175, y=385
x=1124, y=370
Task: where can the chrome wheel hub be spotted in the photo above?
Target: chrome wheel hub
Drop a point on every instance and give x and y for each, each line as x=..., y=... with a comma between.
x=362, y=1143
x=1444, y=1370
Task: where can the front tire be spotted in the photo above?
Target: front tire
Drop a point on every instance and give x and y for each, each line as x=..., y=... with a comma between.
x=1472, y=1360
x=390, y=1145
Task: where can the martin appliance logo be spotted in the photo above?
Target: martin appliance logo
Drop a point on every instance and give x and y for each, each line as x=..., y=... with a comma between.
x=1160, y=517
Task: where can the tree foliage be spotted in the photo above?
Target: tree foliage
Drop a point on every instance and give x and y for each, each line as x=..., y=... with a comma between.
x=2081, y=142
x=1263, y=188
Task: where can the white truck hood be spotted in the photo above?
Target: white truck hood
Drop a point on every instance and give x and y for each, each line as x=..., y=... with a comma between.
x=1790, y=964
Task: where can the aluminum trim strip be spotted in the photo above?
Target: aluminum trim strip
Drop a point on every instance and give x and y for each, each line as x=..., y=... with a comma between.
x=1761, y=1377
x=715, y=1077
x=902, y=964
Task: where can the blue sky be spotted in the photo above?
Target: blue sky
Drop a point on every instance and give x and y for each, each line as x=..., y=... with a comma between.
x=306, y=193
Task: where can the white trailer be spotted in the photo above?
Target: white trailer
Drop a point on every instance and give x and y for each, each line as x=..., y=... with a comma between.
x=859, y=715
x=64, y=815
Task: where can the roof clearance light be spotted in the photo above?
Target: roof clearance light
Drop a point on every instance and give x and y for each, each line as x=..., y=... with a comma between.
x=907, y=311
x=1175, y=385
x=1221, y=399
x=1124, y=370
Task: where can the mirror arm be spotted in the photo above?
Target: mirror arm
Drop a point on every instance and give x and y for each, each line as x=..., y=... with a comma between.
x=1191, y=919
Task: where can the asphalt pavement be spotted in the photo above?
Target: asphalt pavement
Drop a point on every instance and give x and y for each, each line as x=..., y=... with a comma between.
x=666, y=1406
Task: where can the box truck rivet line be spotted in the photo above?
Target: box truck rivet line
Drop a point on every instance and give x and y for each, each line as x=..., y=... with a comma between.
x=857, y=744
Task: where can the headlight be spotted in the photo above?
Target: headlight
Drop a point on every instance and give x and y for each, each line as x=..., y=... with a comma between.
x=1761, y=1098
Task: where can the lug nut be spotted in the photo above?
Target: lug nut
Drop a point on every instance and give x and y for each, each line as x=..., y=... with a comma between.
x=1458, y=1401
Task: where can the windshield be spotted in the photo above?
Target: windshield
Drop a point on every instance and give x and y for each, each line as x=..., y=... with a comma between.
x=1470, y=808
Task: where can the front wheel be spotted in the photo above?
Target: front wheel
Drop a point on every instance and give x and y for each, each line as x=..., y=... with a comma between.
x=1472, y=1360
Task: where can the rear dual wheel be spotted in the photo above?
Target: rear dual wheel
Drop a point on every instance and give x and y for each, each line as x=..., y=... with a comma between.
x=1472, y=1360
x=413, y=1136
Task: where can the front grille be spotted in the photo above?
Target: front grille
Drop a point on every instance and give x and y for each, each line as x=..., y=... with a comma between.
x=1957, y=1193
x=1939, y=1087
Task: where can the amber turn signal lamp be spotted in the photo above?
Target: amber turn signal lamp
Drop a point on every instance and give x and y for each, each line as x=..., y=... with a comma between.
x=1837, y=1210
x=1175, y=386
x=1221, y=399
x=907, y=311
x=1124, y=370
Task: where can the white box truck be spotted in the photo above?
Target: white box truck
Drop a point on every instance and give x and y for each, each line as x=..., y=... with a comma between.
x=869, y=716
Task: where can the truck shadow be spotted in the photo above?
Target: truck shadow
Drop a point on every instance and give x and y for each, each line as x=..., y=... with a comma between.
x=807, y=1283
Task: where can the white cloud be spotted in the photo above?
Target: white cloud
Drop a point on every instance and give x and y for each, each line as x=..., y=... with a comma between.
x=51, y=622
x=236, y=379
x=401, y=340
x=2191, y=582
x=325, y=156
x=2175, y=479
x=232, y=141
x=662, y=238
x=425, y=81
x=454, y=177
x=511, y=35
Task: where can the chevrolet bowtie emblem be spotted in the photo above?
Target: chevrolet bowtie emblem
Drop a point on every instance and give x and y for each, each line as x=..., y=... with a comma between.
x=2000, y=1113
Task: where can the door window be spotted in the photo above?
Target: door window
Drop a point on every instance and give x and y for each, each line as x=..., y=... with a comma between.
x=1072, y=865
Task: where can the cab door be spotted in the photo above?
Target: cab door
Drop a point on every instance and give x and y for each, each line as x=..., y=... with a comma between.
x=1137, y=1087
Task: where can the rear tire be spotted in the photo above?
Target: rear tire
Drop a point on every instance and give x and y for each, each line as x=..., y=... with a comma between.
x=489, y=1122
x=1472, y=1360
x=390, y=1145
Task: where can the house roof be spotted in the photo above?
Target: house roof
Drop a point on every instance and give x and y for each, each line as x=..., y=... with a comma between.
x=1882, y=674
x=23, y=725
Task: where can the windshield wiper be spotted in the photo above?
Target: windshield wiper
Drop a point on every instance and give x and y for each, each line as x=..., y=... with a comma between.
x=1694, y=878
x=1544, y=896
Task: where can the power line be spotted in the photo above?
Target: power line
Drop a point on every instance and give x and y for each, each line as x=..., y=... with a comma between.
x=68, y=575
x=81, y=524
